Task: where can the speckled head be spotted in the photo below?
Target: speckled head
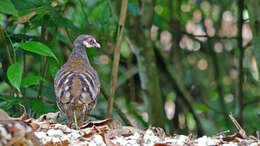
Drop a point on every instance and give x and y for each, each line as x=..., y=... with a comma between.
x=80, y=45
x=86, y=41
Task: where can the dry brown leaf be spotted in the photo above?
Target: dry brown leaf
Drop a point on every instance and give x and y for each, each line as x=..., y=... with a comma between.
x=118, y=132
x=88, y=135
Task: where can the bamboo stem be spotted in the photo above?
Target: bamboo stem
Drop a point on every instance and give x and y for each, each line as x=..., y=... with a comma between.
x=240, y=101
x=116, y=57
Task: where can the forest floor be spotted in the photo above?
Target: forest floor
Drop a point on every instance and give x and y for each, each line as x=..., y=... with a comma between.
x=46, y=131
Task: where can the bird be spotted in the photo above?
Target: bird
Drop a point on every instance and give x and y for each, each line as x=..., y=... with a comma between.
x=14, y=131
x=77, y=83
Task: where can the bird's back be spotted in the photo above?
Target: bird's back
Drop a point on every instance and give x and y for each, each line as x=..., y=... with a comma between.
x=76, y=84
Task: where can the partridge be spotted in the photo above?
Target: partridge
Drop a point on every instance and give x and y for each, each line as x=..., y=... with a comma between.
x=77, y=84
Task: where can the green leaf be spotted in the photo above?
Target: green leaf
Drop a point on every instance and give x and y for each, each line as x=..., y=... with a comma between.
x=99, y=10
x=14, y=75
x=6, y=6
x=105, y=14
x=125, y=50
x=25, y=5
x=67, y=23
x=38, y=48
x=41, y=108
x=9, y=102
x=3, y=87
x=31, y=80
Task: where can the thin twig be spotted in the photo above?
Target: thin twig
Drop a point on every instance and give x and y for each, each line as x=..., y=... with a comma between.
x=10, y=40
x=222, y=132
x=241, y=131
x=6, y=46
x=116, y=57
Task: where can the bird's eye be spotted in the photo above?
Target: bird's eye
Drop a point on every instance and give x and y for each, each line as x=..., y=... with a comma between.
x=92, y=41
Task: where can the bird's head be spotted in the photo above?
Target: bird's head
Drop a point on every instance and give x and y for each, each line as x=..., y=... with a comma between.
x=87, y=41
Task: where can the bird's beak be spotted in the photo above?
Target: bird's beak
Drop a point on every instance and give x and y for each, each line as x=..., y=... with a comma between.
x=97, y=45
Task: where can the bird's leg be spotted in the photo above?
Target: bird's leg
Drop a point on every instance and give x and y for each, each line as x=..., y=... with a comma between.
x=75, y=121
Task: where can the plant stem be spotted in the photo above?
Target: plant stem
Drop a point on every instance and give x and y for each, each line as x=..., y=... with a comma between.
x=44, y=35
x=6, y=46
x=43, y=74
x=218, y=78
x=14, y=50
x=24, y=69
x=116, y=57
x=240, y=63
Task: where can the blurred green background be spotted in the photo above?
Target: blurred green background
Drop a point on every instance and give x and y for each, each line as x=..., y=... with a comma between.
x=184, y=66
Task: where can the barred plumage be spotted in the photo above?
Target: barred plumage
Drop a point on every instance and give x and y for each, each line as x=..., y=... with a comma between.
x=64, y=82
x=76, y=83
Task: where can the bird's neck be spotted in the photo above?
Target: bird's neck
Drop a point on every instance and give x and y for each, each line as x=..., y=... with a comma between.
x=79, y=51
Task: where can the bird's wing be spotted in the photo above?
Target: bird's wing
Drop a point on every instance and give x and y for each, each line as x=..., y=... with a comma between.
x=62, y=85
